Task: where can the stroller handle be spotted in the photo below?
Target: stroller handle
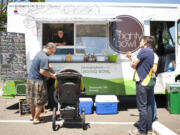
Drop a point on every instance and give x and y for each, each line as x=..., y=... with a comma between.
x=68, y=73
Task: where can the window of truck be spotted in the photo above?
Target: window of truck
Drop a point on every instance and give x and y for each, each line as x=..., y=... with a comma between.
x=91, y=38
x=62, y=35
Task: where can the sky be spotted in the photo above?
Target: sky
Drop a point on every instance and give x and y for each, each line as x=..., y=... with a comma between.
x=124, y=1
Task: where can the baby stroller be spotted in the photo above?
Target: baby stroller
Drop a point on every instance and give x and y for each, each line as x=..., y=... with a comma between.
x=67, y=94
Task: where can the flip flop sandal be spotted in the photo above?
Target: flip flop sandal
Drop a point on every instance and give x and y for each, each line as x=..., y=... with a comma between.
x=36, y=122
x=41, y=120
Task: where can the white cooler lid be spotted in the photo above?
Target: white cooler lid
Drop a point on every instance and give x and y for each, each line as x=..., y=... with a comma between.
x=85, y=99
x=106, y=98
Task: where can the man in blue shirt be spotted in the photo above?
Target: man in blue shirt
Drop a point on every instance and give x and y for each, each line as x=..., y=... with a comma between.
x=36, y=93
x=143, y=66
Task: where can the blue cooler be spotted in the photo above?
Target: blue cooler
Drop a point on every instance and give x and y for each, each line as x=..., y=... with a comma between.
x=87, y=104
x=106, y=104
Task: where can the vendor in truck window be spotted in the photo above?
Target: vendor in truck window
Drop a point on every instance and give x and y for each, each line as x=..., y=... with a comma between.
x=60, y=39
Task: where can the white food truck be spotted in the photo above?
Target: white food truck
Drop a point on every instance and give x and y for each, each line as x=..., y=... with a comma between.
x=97, y=36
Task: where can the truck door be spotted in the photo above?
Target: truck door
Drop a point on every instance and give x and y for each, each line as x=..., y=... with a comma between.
x=164, y=33
x=177, y=77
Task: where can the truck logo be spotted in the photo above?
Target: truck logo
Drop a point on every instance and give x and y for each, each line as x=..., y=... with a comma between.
x=125, y=34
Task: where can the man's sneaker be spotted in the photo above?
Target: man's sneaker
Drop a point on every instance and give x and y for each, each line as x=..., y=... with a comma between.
x=136, y=124
x=135, y=132
x=150, y=132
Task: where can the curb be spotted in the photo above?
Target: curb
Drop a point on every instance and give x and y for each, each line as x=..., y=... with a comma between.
x=160, y=129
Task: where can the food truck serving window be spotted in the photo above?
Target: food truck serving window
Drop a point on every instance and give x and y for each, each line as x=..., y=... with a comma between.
x=76, y=39
x=62, y=35
x=91, y=38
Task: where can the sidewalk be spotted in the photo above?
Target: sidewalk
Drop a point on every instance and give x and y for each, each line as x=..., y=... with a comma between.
x=12, y=123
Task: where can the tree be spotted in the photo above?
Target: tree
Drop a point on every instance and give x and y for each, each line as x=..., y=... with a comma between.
x=3, y=15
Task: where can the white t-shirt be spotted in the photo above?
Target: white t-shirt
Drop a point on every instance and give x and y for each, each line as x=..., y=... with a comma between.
x=156, y=58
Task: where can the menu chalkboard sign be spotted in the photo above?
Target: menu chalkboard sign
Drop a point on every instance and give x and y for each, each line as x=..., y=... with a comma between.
x=12, y=56
x=24, y=108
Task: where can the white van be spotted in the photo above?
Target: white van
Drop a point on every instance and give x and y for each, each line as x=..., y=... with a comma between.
x=97, y=36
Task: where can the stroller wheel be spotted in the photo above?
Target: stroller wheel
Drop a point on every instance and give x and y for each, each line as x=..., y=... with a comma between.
x=54, y=119
x=83, y=119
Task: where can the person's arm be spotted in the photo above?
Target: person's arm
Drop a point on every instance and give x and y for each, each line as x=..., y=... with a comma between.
x=129, y=56
x=44, y=67
x=44, y=72
x=60, y=44
x=134, y=63
x=140, y=56
x=51, y=69
x=155, y=67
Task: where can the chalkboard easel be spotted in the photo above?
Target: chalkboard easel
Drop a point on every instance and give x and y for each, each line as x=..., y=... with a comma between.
x=24, y=108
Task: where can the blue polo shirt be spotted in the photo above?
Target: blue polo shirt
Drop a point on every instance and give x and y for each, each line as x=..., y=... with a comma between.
x=40, y=61
x=146, y=57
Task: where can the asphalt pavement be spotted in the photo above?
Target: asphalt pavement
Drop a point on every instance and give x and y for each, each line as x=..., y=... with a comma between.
x=12, y=123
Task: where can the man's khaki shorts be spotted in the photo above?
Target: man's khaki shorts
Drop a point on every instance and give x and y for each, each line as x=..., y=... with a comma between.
x=36, y=92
